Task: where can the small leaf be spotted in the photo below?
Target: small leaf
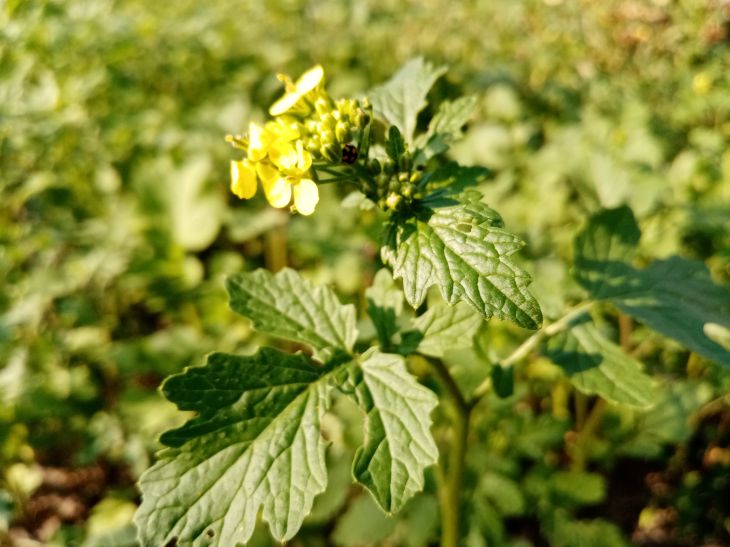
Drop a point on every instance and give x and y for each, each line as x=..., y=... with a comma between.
x=395, y=146
x=445, y=127
x=464, y=250
x=401, y=98
x=503, y=381
x=255, y=443
x=445, y=327
x=675, y=297
x=289, y=306
x=595, y=365
x=398, y=443
x=385, y=304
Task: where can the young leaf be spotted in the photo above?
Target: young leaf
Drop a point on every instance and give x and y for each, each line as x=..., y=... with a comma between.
x=445, y=127
x=255, y=443
x=400, y=99
x=676, y=297
x=595, y=365
x=385, y=304
x=395, y=146
x=464, y=250
x=289, y=306
x=398, y=443
x=444, y=327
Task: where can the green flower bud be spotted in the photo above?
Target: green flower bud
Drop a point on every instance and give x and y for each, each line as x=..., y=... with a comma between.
x=393, y=201
x=362, y=118
x=323, y=106
x=327, y=137
x=342, y=132
x=374, y=166
x=388, y=167
x=331, y=152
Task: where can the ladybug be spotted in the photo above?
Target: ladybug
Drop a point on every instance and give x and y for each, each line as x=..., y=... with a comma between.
x=349, y=154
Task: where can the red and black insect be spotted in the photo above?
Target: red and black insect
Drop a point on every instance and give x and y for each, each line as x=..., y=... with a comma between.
x=349, y=154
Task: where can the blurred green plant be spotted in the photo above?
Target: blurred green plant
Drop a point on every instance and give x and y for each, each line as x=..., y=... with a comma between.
x=110, y=124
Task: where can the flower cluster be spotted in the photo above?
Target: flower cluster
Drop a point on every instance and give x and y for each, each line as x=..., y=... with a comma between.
x=307, y=126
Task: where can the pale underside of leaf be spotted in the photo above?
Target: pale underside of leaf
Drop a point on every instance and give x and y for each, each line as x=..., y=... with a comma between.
x=255, y=444
x=289, y=306
x=398, y=442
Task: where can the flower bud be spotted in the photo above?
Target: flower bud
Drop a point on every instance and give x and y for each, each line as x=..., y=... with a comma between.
x=323, y=105
x=362, y=118
x=393, y=201
x=374, y=166
x=327, y=137
x=342, y=132
x=331, y=152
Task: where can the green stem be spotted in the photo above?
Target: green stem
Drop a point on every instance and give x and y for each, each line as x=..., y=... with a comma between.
x=531, y=343
x=451, y=478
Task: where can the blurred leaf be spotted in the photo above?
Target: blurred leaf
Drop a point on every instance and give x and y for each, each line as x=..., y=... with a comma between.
x=289, y=306
x=398, y=443
x=400, y=99
x=595, y=365
x=363, y=524
x=567, y=532
x=464, y=250
x=675, y=296
x=577, y=488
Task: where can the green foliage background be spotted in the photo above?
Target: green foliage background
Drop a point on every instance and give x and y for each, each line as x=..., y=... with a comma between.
x=117, y=229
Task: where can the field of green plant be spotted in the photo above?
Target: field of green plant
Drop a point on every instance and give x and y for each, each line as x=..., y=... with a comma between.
x=584, y=402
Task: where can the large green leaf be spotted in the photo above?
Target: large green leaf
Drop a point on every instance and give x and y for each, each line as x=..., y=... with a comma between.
x=676, y=297
x=401, y=98
x=398, y=443
x=464, y=250
x=289, y=306
x=595, y=365
x=254, y=444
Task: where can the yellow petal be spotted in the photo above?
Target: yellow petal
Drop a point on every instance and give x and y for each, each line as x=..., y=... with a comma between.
x=309, y=80
x=306, y=196
x=304, y=158
x=267, y=172
x=283, y=129
x=284, y=155
x=258, y=141
x=243, y=179
x=278, y=192
x=284, y=104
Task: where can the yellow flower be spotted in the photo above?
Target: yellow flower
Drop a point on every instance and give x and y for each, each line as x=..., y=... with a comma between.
x=291, y=101
x=243, y=179
x=288, y=176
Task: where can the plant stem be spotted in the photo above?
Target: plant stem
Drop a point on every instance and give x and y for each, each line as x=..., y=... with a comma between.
x=450, y=479
x=531, y=343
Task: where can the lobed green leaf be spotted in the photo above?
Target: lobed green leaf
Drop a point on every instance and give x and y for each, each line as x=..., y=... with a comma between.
x=400, y=99
x=398, y=443
x=289, y=306
x=464, y=250
x=254, y=444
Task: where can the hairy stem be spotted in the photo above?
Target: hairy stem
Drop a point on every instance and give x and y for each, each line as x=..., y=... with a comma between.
x=452, y=471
